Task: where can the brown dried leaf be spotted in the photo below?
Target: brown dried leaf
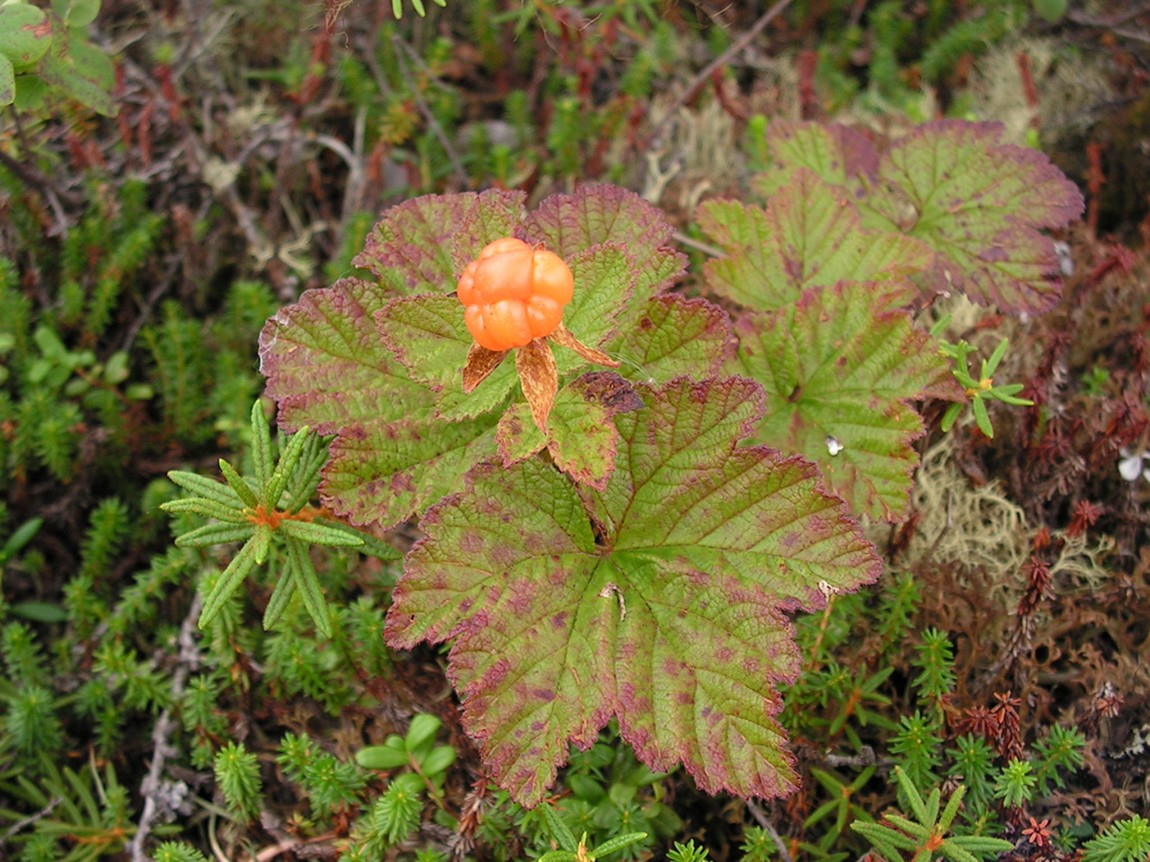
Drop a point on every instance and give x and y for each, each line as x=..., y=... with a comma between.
x=539, y=378
x=562, y=335
x=480, y=363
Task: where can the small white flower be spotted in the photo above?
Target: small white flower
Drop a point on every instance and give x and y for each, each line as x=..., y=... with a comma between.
x=834, y=446
x=1130, y=467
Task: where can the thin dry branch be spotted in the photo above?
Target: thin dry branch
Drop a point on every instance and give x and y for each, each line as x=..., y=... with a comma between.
x=150, y=787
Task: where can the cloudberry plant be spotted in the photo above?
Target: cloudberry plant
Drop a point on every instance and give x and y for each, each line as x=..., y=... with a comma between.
x=627, y=544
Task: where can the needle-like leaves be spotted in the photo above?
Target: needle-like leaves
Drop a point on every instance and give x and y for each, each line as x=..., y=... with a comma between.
x=249, y=514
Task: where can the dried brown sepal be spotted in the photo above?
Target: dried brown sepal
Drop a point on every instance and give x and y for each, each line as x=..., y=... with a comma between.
x=480, y=363
x=562, y=335
x=539, y=378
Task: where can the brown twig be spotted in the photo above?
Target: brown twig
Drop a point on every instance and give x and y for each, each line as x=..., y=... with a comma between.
x=705, y=75
x=150, y=787
x=425, y=109
x=759, y=816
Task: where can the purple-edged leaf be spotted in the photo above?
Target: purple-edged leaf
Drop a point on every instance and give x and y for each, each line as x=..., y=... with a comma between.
x=598, y=213
x=583, y=438
x=809, y=234
x=839, y=377
x=676, y=337
x=383, y=473
x=839, y=155
x=980, y=204
x=327, y=366
x=509, y=569
x=427, y=334
x=429, y=240
x=671, y=619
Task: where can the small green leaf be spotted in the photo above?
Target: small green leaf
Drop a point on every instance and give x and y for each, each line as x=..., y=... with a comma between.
x=205, y=487
x=308, y=586
x=421, y=733
x=82, y=72
x=206, y=508
x=280, y=598
x=236, y=483
x=7, y=81
x=981, y=417
x=25, y=34
x=20, y=537
x=613, y=845
x=952, y=413
x=391, y=755
x=991, y=364
x=40, y=612
x=559, y=830
x=228, y=582
x=438, y=760
x=261, y=445
x=81, y=13
x=284, y=469
x=116, y=371
x=215, y=534
x=319, y=534
x=263, y=541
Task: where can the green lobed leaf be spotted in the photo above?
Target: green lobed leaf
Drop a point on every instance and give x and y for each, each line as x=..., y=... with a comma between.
x=427, y=335
x=809, y=234
x=980, y=204
x=327, y=366
x=383, y=473
x=839, y=378
x=840, y=155
x=600, y=213
x=675, y=337
x=668, y=616
x=428, y=240
x=605, y=279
